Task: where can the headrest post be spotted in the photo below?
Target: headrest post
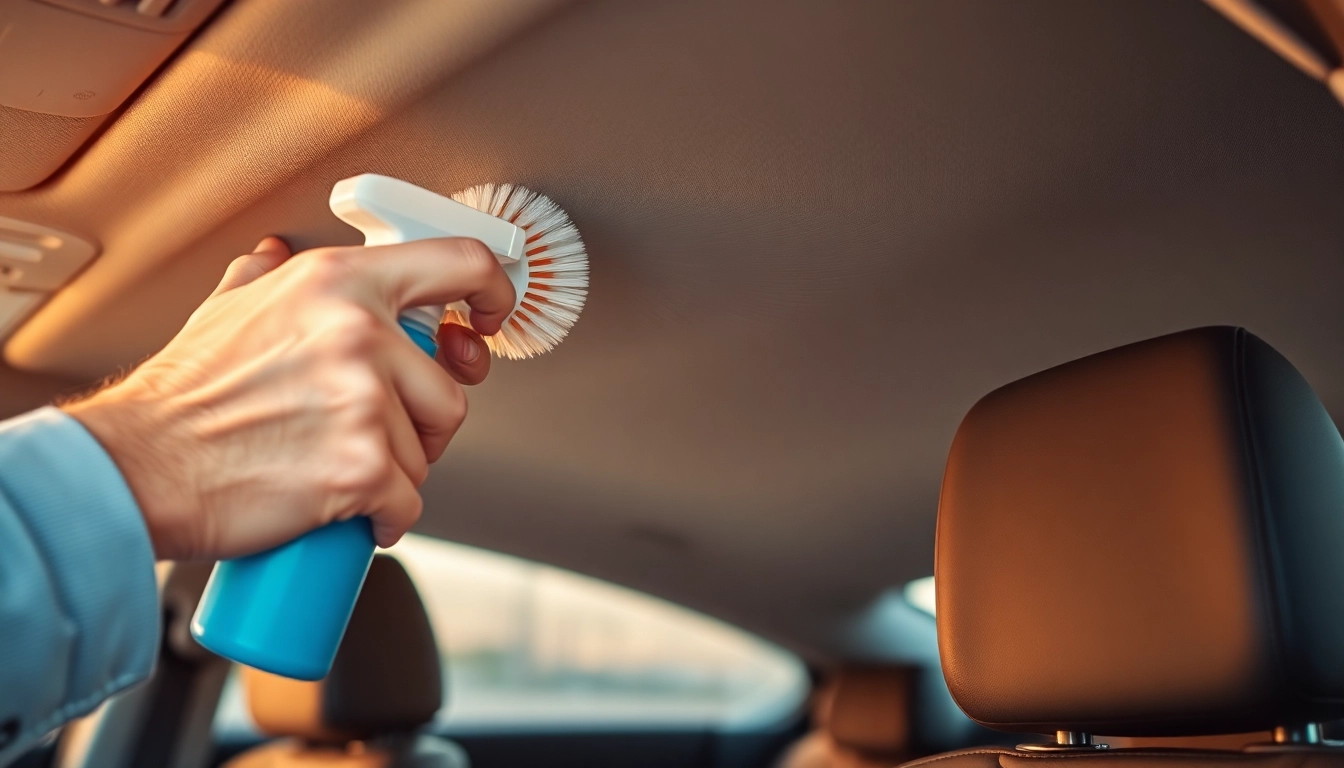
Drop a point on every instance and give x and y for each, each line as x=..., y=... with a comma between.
x=1073, y=738
x=1066, y=741
x=1303, y=734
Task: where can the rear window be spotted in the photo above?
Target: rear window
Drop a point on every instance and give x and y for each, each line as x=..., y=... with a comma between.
x=531, y=647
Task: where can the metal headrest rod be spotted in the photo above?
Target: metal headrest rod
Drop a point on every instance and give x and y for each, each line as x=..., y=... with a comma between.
x=1066, y=741
x=1298, y=734
x=1306, y=737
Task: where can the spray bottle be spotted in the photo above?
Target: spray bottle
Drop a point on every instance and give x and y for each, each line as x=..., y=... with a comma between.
x=285, y=610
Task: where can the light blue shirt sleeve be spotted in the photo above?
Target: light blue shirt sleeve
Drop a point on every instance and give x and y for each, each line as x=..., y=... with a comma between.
x=79, y=614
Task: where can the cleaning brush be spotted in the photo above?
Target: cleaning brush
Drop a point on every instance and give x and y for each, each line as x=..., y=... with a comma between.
x=556, y=265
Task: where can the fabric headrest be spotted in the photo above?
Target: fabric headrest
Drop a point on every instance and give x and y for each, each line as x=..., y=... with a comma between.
x=1144, y=542
x=385, y=680
x=869, y=709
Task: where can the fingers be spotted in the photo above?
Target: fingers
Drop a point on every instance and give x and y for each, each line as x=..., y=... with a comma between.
x=270, y=253
x=429, y=404
x=433, y=401
x=404, y=441
x=441, y=270
x=420, y=422
x=397, y=511
x=462, y=352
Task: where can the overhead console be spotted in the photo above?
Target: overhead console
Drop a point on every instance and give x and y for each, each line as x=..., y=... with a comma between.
x=34, y=262
x=66, y=65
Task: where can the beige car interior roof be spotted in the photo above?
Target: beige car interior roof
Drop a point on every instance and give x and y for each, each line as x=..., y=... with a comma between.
x=819, y=231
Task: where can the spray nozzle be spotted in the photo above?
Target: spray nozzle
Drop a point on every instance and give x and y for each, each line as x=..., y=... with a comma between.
x=389, y=210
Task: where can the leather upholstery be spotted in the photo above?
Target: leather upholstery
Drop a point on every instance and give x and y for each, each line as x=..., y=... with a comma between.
x=1221, y=741
x=1146, y=542
x=871, y=709
x=385, y=683
x=863, y=717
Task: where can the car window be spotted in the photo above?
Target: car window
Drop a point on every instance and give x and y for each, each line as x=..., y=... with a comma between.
x=921, y=594
x=530, y=646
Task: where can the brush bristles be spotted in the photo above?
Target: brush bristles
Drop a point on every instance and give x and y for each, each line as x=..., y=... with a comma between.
x=557, y=266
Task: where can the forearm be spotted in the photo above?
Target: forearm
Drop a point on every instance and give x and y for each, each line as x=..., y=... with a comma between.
x=78, y=604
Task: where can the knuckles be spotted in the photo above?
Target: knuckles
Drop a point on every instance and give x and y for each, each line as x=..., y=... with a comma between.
x=360, y=467
x=361, y=397
x=345, y=342
x=326, y=268
x=356, y=332
x=312, y=408
x=456, y=405
x=477, y=262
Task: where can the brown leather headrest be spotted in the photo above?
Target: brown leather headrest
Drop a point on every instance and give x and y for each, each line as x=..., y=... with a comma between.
x=868, y=709
x=1148, y=541
x=385, y=679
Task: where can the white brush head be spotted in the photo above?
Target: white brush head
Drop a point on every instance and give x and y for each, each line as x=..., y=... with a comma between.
x=533, y=239
x=557, y=270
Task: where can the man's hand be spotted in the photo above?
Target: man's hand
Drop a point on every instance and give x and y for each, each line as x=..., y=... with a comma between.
x=292, y=399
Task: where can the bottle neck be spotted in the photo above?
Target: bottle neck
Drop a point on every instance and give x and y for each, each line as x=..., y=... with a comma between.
x=421, y=332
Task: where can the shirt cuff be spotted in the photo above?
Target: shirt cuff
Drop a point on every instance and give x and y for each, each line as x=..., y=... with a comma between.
x=88, y=529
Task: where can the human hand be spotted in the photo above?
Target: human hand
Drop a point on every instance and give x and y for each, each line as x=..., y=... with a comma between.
x=291, y=398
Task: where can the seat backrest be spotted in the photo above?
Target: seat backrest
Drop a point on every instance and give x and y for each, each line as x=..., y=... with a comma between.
x=386, y=682
x=1147, y=542
x=863, y=717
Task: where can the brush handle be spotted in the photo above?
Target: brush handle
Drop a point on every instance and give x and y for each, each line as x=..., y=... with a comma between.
x=285, y=610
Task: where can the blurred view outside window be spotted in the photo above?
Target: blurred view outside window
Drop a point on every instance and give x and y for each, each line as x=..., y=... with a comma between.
x=921, y=594
x=530, y=646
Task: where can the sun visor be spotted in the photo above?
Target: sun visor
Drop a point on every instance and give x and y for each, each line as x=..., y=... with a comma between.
x=66, y=65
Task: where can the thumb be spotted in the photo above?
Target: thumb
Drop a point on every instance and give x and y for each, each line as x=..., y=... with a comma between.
x=270, y=253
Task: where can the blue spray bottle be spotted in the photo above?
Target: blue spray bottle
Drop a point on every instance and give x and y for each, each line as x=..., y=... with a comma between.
x=285, y=610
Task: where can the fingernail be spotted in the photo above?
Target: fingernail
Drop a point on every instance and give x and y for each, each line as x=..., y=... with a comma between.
x=467, y=350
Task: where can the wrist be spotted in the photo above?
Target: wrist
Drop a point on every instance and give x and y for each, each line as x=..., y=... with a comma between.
x=134, y=429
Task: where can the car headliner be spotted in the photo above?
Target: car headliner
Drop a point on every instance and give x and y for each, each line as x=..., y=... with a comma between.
x=819, y=231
